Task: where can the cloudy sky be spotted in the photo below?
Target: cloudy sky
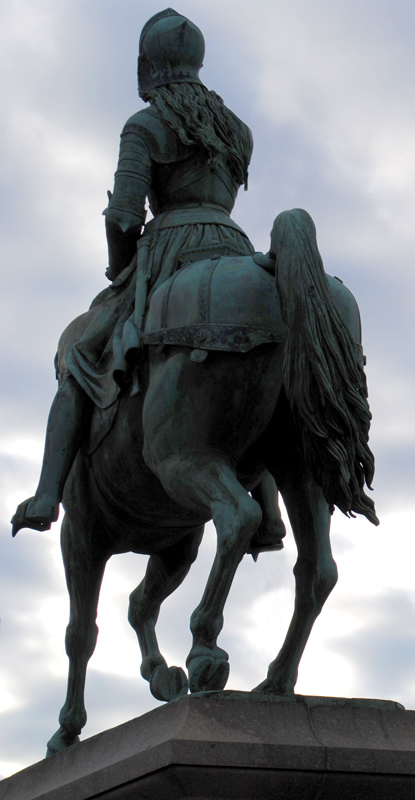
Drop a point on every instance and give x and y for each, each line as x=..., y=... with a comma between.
x=327, y=89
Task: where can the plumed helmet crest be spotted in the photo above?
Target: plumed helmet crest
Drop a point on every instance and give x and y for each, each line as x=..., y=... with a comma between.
x=171, y=51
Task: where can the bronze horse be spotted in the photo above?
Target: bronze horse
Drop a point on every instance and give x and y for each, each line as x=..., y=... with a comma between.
x=221, y=403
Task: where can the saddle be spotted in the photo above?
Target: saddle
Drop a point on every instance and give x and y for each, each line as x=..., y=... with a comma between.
x=223, y=303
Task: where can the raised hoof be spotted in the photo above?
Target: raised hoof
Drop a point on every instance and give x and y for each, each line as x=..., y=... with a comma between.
x=208, y=671
x=167, y=683
x=61, y=740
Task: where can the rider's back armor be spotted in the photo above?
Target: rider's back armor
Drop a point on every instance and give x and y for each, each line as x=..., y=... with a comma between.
x=153, y=162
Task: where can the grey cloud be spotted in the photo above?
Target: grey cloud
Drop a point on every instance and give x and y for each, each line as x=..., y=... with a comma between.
x=383, y=651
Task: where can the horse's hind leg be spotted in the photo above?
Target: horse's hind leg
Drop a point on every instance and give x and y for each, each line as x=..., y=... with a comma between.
x=205, y=481
x=84, y=568
x=315, y=576
x=236, y=517
x=198, y=421
x=165, y=572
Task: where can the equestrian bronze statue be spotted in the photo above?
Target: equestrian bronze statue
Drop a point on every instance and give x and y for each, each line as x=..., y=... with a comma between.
x=202, y=378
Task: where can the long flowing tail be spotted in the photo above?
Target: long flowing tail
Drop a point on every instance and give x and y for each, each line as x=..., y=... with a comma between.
x=323, y=373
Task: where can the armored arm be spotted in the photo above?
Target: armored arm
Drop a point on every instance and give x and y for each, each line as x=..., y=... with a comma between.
x=125, y=214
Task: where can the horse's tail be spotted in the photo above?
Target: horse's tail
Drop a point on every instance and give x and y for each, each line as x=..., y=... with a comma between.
x=323, y=375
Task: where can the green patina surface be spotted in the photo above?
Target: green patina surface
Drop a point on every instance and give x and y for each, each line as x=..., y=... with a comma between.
x=201, y=379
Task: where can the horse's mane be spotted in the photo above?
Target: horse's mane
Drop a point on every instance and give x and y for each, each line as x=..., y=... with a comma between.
x=323, y=370
x=199, y=116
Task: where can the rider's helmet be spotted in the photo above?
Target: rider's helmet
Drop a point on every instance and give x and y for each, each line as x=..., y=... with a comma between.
x=171, y=51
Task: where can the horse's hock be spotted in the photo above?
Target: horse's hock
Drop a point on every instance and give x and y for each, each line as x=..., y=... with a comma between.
x=231, y=745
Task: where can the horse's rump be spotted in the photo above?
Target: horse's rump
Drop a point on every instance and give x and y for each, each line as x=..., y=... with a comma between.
x=223, y=303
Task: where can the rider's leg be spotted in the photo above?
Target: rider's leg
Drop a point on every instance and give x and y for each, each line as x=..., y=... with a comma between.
x=272, y=529
x=67, y=426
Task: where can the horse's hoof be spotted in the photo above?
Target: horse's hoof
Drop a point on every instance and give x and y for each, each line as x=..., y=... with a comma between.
x=60, y=740
x=167, y=683
x=264, y=687
x=208, y=670
x=268, y=687
x=150, y=664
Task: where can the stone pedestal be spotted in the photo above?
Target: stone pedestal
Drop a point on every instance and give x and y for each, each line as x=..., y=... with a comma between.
x=237, y=745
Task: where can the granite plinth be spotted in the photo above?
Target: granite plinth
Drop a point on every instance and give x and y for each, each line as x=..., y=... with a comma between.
x=237, y=745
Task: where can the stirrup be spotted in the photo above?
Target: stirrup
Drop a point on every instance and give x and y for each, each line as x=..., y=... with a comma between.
x=265, y=544
x=19, y=520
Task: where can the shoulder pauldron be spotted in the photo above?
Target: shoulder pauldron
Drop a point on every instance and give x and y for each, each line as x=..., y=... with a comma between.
x=163, y=144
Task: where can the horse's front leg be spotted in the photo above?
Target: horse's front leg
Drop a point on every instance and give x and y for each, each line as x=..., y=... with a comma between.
x=315, y=576
x=84, y=569
x=165, y=572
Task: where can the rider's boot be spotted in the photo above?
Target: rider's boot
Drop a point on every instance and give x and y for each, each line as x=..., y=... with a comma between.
x=68, y=423
x=271, y=532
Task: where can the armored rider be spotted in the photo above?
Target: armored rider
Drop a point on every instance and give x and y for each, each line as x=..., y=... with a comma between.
x=188, y=154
